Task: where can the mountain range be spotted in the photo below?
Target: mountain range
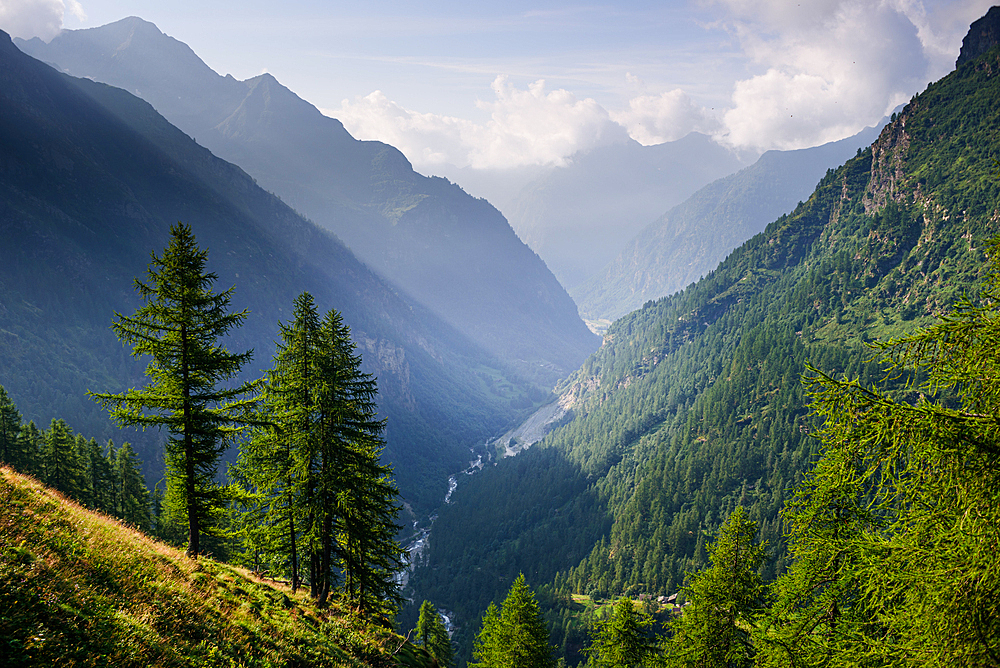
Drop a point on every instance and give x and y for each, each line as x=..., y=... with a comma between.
x=92, y=177
x=689, y=240
x=579, y=216
x=450, y=251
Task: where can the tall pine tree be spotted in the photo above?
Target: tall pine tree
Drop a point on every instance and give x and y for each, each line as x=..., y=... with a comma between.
x=132, y=502
x=432, y=635
x=625, y=640
x=322, y=504
x=179, y=327
x=276, y=461
x=514, y=636
x=354, y=502
x=726, y=598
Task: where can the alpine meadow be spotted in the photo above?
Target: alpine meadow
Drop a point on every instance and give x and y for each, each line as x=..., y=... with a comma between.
x=334, y=412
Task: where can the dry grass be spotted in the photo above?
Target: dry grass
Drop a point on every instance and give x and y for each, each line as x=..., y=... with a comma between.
x=78, y=588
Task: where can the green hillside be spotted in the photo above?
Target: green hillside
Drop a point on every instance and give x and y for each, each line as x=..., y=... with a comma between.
x=694, y=404
x=81, y=589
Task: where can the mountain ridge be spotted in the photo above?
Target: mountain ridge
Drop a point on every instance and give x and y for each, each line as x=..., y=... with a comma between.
x=91, y=181
x=455, y=254
x=689, y=240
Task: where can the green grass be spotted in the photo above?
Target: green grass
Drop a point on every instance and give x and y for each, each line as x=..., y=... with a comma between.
x=78, y=588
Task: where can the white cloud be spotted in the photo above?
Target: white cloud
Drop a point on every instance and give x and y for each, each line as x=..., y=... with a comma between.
x=819, y=70
x=529, y=126
x=830, y=67
x=37, y=18
x=426, y=139
x=654, y=119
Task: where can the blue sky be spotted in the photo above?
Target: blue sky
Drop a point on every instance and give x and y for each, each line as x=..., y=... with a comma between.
x=520, y=83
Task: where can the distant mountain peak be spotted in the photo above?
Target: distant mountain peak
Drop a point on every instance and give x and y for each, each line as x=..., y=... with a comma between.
x=983, y=35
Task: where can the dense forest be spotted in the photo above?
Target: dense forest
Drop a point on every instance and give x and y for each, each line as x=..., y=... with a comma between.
x=694, y=404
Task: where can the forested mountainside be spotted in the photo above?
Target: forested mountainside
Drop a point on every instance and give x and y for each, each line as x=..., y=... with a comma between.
x=694, y=403
x=577, y=217
x=91, y=178
x=690, y=240
x=450, y=251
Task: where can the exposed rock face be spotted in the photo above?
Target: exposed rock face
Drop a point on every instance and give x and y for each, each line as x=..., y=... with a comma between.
x=984, y=34
x=888, y=154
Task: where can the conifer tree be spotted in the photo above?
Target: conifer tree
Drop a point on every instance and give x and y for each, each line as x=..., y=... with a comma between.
x=515, y=636
x=895, y=533
x=98, y=471
x=11, y=446
x=325, y=503
x=33, y=447
x=623, y=641
x=179, y=327
x=132, y=503
x=276, y=461
x=61, y=464
x=432, y=635
x=725, y=600
x=354, y=502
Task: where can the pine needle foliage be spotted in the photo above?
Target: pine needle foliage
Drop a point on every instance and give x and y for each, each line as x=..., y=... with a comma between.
x=179, y=328
x=321, y=505
x=725, y=600
x=432, y=635
x=625, y=640
x=896, y=532
x=515, y=635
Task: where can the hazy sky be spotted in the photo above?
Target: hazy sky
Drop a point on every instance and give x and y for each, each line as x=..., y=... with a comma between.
x=515, y=83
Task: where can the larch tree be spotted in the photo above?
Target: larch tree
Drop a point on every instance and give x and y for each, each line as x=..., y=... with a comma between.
x=725, y=600
x=320, y=500
x=432, y=635
x=515, y=635
x=179, y=327
x=896, y=532
x=275, y=461
x=354, y=501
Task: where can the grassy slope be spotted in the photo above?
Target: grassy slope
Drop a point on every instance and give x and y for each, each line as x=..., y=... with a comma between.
x=80, y=589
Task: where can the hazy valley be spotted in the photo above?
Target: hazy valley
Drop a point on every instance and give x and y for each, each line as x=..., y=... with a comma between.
x=792, y=395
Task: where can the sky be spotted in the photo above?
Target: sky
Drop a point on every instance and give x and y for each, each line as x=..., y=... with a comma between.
x=490, y=85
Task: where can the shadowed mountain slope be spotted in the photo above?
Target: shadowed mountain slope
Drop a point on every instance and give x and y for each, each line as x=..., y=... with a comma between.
x=91, y=178
x=452, y=252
